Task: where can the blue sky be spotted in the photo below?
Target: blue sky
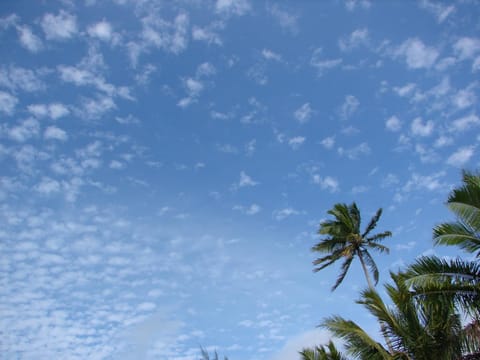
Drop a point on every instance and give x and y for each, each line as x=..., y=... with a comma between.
x=165, y=165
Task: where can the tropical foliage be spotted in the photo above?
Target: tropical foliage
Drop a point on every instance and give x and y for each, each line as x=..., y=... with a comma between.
x=428, y=300
x=458, y=280
x=324, y=352
x=344, y=241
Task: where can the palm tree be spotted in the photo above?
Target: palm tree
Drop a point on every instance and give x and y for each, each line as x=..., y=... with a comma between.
x=344, y=240
x=417, y=330
x=464, y=202
x=458, y=280
x=324, y=352
x=206, y=355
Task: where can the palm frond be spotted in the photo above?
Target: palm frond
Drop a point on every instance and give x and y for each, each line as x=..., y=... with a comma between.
x=379, y=236
x=373, y=222
x=457, y=234
x=357, y=342
x=345, y=266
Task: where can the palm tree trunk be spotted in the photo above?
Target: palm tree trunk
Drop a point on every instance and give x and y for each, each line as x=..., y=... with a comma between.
x=371, y=286
x=365, y=271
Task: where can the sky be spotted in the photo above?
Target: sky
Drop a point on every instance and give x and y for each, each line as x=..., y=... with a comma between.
x=165, y=165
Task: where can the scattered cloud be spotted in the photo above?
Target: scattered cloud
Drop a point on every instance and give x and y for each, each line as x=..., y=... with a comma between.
x=421, y=128
x=232, y=7
x=464, y=123
x=296, y=142
x=460, y=157
x=349, y=106
x=466, y=47
x=8, y=103
x=303, y=113
x=357, y=38
x=245, y=181
x=326, y=183
x=59, y=27
x=440, y=10
x=328, y=142
x=282, y=214
x=287, y=19
x=354, y=152
x=393, y=123
x=55, y=133
x=417, y=55
x=29, y=40
x=248, y=210
x=321, y=64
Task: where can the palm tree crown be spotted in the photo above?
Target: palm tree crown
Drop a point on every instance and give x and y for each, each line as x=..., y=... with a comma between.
x=464, y=202
x=344, y=240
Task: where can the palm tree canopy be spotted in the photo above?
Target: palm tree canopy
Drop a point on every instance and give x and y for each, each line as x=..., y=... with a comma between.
x=345, y=240
x=324, y=352
x=455, y=281
x=415, y=330
x=464, y=202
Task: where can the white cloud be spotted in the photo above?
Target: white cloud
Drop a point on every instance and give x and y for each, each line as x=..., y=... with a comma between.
x=246, y=180
x=466, y=47
x=420, y=128
x=101, y=30
x=270, y=55
x=29, y=40
x=460, y=157
x=417, y=55
x=405, y=90
x=48, y=186
x=205, y=69
x=355, y=39
x=17, y=78
x=354, y=152
x=59, y=27
x=359, y=189
x=438, y=9
x=54, y=110
x=303, y=113
x=326, y=183
x=328, y=142
x=284, y=213
x=57, y=110
x=96, y=108
x=171, y=36
x=55, y=133
x=250, y=147
x=443, y=141
x=250, y=210
x=207, y=35
x=232, y=7
x=7, y=103
x=286, y=18
x=321, y=64
x=425, y=182
x=27, y=129
x=465, y=123
x=296, y=142
x=296, y=343
x=349, y=106
x=464, y=98
x=393, y=124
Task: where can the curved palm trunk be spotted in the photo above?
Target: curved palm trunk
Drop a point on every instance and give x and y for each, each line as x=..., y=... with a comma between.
x=372, y=287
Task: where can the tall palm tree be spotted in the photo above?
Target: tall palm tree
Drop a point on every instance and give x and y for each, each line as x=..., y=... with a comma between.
x=324, y=352
x=464, y=202
x=458, y=280
x=416, y=330
x=344, y=240
x=206, y=355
